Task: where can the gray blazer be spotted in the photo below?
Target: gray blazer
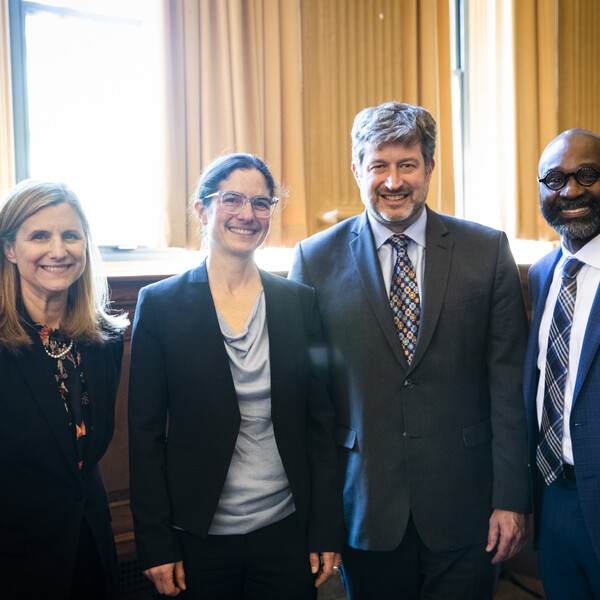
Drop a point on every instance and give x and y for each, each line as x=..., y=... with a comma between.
x=443, y=438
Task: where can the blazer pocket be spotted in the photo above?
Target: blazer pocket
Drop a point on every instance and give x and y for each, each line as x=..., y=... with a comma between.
x=12, y=542
x=464, y=303
x=345, y=436
x=477, y=434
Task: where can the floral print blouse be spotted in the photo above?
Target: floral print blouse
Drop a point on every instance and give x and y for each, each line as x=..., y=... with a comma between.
x=71, y=385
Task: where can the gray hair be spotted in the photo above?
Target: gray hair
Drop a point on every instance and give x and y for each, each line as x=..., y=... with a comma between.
x=393, y=122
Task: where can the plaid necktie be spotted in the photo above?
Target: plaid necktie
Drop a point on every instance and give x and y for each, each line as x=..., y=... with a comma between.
x=549, y=450
x=404, y=297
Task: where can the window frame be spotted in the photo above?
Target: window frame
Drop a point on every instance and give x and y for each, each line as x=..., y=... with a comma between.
x=18, y=11
x=459, y=82
x=16, y=16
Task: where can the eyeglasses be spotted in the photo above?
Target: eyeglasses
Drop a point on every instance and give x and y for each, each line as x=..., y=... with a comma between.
x=556, y=180
x=234, y=202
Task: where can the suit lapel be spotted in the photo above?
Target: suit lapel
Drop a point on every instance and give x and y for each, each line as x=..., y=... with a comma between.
x=201, y=315
x=545, y=279
x=44, y=389
x=438, y=255
x=277, y=321
x=547, y=274
x=368, y=268
x=591, y=344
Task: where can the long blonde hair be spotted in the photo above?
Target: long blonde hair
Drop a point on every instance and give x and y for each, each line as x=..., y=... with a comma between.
x=89, y=319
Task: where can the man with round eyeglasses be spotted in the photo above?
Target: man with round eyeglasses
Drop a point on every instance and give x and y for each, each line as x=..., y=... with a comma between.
x=556, y=180
x=562, y=371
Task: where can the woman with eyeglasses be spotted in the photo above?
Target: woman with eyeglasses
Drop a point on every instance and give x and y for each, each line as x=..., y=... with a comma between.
x=234, y=485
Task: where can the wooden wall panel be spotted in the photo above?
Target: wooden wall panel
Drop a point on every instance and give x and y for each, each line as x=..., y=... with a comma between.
x=115, y=463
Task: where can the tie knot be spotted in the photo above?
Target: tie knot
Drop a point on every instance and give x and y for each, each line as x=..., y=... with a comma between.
x=571, y=268
x=400, y=242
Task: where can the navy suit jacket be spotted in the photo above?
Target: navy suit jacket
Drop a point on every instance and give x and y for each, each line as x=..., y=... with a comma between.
x=43, y=494
x=184, y=416
x=585, y=413
x=444, y=437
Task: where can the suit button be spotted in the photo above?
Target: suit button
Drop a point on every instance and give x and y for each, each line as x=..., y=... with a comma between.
x=408, y=383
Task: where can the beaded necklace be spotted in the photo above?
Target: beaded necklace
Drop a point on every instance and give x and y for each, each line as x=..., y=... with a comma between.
x=58, y=354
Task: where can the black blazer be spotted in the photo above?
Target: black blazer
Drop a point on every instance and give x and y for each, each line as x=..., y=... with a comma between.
x=184, y=417
x=43, y=494
x=443, y=438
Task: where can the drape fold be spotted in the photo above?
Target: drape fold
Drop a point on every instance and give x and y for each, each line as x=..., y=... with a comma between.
x=358, y=53
x=283, y=79
x=233, y=86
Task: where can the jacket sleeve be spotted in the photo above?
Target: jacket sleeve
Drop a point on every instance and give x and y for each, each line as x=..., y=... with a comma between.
x=326, y=523
x=505, y=348
x=148, y=403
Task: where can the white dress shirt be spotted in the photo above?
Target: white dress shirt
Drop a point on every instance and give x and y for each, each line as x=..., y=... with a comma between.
x=588, y=280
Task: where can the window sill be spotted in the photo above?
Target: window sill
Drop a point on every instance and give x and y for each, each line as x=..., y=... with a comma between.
x=172, y=261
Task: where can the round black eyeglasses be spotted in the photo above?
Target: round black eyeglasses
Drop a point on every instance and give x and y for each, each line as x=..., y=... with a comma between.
x=556, y=180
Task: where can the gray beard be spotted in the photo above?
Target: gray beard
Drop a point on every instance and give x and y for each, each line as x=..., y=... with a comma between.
x=584, y=229
x=578, y=231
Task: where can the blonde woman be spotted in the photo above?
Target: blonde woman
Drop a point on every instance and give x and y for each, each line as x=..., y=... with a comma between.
x=60, y=361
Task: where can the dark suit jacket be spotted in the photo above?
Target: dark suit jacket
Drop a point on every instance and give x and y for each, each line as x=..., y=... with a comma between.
x=43, y=494
x=444, y=437
x=184, y=417
x=585, y=413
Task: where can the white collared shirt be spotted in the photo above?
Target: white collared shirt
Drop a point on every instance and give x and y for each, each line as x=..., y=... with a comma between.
x=588, y=280
x=387, y=253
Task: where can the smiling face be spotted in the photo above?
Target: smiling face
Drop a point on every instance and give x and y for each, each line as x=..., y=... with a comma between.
x=574, y=210
x=239, y=234
x=394, y=183
x=49, y=251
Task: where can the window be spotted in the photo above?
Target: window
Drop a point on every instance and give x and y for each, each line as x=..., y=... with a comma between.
x=458, y=82
x=87, y=87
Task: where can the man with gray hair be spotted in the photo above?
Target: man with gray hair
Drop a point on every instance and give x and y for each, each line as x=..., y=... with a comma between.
x=425, y=319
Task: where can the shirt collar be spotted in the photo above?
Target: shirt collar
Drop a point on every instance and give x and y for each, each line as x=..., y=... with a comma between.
x=589, y=254
x=416, y=232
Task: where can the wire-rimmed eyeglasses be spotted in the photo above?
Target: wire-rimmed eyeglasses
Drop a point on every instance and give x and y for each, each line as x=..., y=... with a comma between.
x=556, y=180
x=234, y=202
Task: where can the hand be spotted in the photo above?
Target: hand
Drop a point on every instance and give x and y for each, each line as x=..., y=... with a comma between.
x=323, y=563
x=169, y=579
x=508, y=531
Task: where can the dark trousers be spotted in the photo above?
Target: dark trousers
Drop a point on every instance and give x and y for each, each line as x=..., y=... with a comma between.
x=413, y=572
x=569, y=565
x=268, y=564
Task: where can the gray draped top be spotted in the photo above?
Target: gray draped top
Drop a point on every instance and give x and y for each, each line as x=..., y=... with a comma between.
x=256, y=491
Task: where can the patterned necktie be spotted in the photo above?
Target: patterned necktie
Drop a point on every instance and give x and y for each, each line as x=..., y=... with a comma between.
x=404, y=297
x=549, y=450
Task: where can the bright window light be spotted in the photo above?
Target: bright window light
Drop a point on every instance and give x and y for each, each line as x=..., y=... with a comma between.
x=94, y=94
